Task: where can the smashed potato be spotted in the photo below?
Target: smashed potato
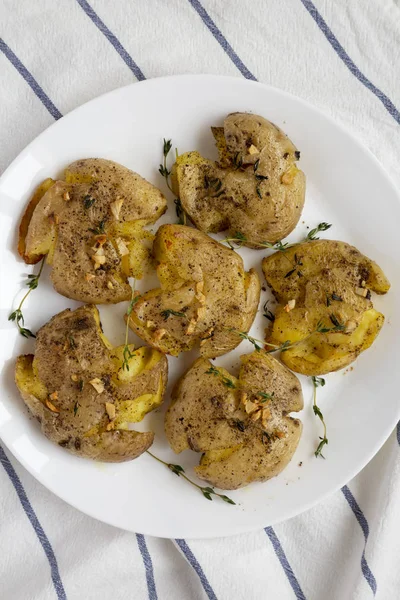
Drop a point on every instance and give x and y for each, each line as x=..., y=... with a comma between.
x=240, y=425
x=324, y=290
x=78, y=388
x=255, y=189
x=204, y=293
x=90, y=226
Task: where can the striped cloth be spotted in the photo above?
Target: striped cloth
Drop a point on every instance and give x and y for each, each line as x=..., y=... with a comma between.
x=342, y=56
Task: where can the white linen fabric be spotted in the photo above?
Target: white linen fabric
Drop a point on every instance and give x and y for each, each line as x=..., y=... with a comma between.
x=343, y=57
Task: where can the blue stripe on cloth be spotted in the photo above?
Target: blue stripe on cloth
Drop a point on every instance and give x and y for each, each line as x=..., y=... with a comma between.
x=23, y=71
x=148, y=565
x=112, y=39
x=30, y=513
x=341, y=52
x=196, y=566
x=358, y=513
x=207, y=20
x=285, y=563
x=398, y=432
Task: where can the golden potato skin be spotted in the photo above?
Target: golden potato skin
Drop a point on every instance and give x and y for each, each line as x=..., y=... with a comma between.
x=77, y=220
x=206, y=284
x=255, y=188
x=38, y=194
x=71, y=351
x=207, y=416
x=335, y=281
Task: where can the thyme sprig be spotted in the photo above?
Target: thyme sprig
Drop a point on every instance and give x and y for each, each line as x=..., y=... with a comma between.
x=127, y=354
x=163, y=169
x=225, y=380
x=166, y=173
x=239, y=238
x=260, y=344
x=207, y=492
x=17, y=315
x=319, y=382
x=312, y=235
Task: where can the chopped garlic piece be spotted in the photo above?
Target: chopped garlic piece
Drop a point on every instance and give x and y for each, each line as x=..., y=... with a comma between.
x=361, y=291
x=201, y=312
x=290, y=305
x=253, y=150
x=289, y=175
x=90, y=276
x=110, y=410
x=191, y=326
x=101, y=239
x=110, y=285
x=51, y=406
x=74, y=377
x=250, y=407
x=159, y=334
x=351, y=325
x=97, y=384
x=116, y=208
x=122, y=247
x=256, y=415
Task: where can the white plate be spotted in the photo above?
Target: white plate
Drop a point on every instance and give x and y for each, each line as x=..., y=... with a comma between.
x=345, y=186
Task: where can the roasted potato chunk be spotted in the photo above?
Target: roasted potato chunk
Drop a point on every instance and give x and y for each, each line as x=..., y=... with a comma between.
x=204, y=293
x=324, y=290
x=240, y=425
x=83, y=396
x=90, y=226
x=255, y=189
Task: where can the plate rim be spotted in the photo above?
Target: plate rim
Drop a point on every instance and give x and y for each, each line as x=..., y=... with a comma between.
x=383, y=172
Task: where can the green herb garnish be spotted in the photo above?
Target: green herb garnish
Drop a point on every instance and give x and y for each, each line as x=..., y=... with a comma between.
x=267, y=313
x=265, y=396
x=127, y=354
x=312, y=235
x=99, y=229
x=168, y=312
x=225, y=380
x=319, y=382
x=207, y=492
x=180, y=213
x=17, y=315
x=166, y=173
x=88, y=201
